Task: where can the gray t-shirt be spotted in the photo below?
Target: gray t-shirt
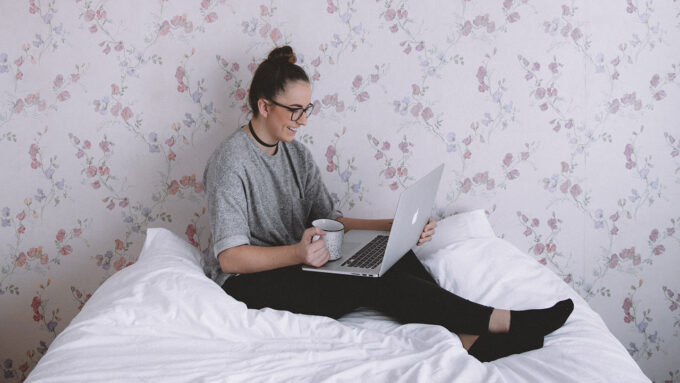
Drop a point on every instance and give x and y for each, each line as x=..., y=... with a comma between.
x=259, y=199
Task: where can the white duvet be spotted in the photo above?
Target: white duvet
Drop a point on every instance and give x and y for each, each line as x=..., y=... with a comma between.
x=163, y=320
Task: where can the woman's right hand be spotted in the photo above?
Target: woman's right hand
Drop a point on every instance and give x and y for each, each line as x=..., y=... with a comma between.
x=313, y=253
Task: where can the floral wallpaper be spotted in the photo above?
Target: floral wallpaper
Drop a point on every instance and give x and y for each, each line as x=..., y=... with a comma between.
x=559, y=118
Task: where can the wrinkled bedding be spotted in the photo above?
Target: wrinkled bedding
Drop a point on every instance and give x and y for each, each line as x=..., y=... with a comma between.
x=162, y=319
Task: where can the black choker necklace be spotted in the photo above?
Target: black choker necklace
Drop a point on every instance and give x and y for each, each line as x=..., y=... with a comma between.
x=250, y=126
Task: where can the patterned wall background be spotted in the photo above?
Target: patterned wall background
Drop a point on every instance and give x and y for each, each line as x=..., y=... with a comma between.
x=557, y=117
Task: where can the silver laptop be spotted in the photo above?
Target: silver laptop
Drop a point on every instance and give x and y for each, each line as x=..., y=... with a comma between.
x=370, y=253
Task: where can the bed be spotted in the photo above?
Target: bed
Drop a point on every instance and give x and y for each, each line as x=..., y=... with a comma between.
x=162, y=319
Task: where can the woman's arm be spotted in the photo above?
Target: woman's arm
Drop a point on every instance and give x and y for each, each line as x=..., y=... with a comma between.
x=366, y=224
x=247, y=259
x=386, y=225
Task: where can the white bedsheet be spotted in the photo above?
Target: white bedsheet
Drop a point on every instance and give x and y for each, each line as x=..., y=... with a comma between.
x=162, y=320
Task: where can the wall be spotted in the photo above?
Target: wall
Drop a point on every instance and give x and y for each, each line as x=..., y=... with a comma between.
x=558, y=118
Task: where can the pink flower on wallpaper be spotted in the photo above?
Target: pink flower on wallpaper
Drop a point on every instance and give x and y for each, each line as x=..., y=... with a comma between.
x=539, y=248
x=205, y=4
x=21, y=216
x=378, y=155
x=363, y=96
x=427, y=113
x=264, y=30
x=654, y=82
x=93, y=28
x=164, y=28
x=552, y=222
x=467, y=28
x=172, y=156
x=21, y=260
x=340, y=107
x=275, y=35
x=513, y=174
x=66, y=250
x=507, y=160
x=115, y=90
x=240, y=94
x=654, y=235
x=330, y=167
x=60, y=235
x=394, y=28
x=564, y=187
x=513, y=17
x=403, y=146
x=21, y=229
x=659, y=250
x=104, y=146
x=18, y=106
x=613, y=261
x=415, y=109
x=390, y=14
x=111, y=205
x=115, y=109
x=357, y=81
x=91, y=171
x=126, y=113
x=58, y=81
x=96, y=185
x=490, y=184
x=89, y=15
x=331, y=7
x=394, y=186
x=63, y=96
x=416, y=89
x=575, y=190
x=390, y=172
x=565, y=30
x=576, y=34
x=507, y=4
x=660, y=95
x=467, y=185
x=386, y=145
x=540, y=93
x=173, y=187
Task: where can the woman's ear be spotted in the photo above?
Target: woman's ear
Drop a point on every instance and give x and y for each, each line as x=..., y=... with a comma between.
x=263, y=107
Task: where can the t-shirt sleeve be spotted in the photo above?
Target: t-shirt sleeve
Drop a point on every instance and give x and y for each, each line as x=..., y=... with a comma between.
x=227, y=206
x=322, y=203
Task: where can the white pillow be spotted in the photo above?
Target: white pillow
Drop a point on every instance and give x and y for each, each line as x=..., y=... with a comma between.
x=455, y=228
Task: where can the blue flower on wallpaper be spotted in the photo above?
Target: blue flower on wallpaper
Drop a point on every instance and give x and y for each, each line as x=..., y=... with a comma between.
x=196, y=96
x=209, y=108
x=40, y=196
x=642, y=326
x=49, y=173
x=58, y=29
x=51, y=325
x=450, y=142
x=38, y=41
x=153, y=146
x=344, y=176
x=356, y=187
x=5, y=217
x=188, y=120
x=60, y=184
x=47, y=17
x=3, y=63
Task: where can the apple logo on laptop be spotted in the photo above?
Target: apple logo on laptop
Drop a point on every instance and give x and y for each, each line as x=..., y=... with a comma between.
x=415, y=217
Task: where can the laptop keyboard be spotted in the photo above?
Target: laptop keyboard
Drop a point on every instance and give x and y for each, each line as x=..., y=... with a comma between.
x=370, y=255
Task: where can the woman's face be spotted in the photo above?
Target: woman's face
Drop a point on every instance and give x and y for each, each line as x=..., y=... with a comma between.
x=280, y=127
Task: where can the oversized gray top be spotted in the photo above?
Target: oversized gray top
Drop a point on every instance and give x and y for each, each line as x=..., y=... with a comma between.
x=259, y=199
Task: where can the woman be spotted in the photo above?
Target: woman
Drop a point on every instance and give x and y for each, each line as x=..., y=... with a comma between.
x=264, y=190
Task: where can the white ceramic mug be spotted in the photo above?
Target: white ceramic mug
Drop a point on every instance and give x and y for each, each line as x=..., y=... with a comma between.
x=333, y=238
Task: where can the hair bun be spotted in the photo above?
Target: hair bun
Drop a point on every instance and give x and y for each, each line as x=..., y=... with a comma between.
x=284, y=53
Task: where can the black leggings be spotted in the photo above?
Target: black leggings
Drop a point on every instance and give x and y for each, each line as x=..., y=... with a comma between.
x=406, y=292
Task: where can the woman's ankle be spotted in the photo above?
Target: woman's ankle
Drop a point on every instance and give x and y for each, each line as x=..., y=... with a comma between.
x=499, y=322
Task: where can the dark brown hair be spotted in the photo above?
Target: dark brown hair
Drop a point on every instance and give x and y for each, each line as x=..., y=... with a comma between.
x=272, y=75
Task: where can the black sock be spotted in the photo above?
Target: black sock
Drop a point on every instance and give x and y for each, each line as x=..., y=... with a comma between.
x=541, y=321
x=492, y=346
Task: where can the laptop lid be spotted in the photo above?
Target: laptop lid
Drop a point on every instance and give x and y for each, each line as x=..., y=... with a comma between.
x=413, y=211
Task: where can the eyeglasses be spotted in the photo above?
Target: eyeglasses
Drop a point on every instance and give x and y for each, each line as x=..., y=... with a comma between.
x=296, y=113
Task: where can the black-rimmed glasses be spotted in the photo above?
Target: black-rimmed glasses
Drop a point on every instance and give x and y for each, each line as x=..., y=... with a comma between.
x=296, y=113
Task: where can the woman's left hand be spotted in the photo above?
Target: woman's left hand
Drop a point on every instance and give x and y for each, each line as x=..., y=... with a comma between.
x=428, y=232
